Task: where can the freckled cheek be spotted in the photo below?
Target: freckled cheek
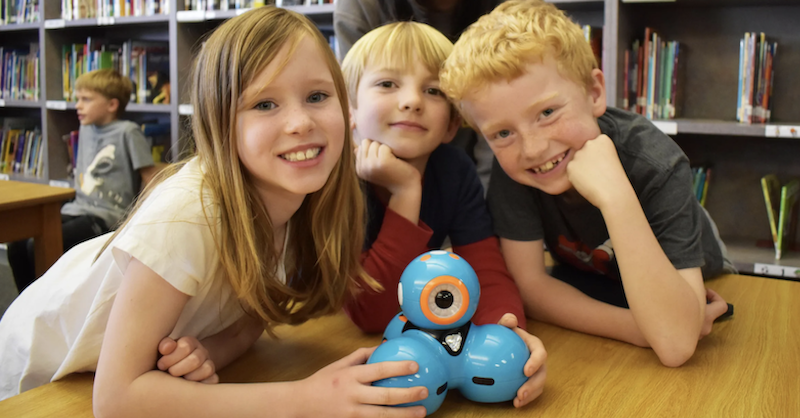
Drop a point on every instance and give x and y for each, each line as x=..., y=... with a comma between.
x=508, y=158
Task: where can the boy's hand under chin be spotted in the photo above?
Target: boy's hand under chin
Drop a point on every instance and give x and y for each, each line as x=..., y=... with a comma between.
x=377, y=164
x=597, y=174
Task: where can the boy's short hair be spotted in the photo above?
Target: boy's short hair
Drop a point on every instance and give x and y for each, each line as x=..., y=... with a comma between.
x=109, y=83
x=516, y=33
x=393, y=45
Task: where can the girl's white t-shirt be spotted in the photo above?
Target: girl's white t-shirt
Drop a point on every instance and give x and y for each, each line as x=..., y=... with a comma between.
x=56, y=326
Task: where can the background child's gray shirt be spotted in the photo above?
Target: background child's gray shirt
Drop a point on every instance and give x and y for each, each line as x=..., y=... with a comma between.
x=106, y=175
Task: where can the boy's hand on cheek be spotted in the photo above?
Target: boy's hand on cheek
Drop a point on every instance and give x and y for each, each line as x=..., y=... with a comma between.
x=596, y=172
x=377, y=164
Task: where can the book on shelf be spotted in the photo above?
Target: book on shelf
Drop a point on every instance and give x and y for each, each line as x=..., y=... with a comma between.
x=158, y=136
x=594, y=35
x=19, y=74
x=650, y=76
x=701, y=178
x=19, y=11
x=92, y=9
x=781, y=204
x=21, y=147
x=756, y=78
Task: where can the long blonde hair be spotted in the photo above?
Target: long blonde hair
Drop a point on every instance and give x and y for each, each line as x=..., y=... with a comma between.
x=327, y=231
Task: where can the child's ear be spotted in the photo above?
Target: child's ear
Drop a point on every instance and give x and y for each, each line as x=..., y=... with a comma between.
x=352, y=119
x=353, y=130
x=452, y=127
x=598, y=93
x=113, y=105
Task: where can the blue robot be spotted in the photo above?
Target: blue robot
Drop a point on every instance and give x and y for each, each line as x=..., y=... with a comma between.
x=438, y=294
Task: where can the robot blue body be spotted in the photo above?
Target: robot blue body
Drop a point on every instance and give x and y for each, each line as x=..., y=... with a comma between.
x=438, y=294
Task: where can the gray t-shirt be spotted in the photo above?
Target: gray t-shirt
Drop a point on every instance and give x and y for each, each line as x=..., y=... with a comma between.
x=106, y=177
x=574, y=230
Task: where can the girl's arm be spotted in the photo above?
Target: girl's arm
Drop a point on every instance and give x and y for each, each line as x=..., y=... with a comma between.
x=199, y=360
x=146, y=309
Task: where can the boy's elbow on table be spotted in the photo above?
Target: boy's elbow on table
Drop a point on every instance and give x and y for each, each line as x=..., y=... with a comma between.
x=675, y=353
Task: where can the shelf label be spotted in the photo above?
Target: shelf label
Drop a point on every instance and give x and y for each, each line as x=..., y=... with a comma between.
x=668, y=127
x=185, y=109
x=105, y=20
x=5, y=177
x=54, y=23
x=776, y=270
x=2, y=103
x=56, y=104
x=60, y=183
x=191, y=15
x=782, y=131
x=242, y=11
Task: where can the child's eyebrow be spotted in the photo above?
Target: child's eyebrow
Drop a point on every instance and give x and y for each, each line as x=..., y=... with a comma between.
x=542, y=100
x=493, y=126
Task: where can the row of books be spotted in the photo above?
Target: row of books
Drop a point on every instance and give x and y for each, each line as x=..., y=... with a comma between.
x=19, y=11
x=781, y=201
x=146, y=63
x=651, y=76
x=756, y=75
x=90, y=9
x=246, y=4
x=19, y=74
x=21, y=151
x=700, y=181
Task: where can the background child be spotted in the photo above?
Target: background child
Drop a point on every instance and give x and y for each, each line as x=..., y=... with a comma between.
x=420, y=189
x=228, y=245
x=603, y=188
x=113, y=162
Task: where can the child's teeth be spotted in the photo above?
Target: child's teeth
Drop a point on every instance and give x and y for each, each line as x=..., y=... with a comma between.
x=301, y=155
x=548, y=165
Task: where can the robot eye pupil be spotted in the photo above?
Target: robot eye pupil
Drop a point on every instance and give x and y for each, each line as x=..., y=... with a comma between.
x=444, y=299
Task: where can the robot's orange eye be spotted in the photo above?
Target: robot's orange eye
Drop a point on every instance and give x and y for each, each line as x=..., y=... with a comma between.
x=444, y=300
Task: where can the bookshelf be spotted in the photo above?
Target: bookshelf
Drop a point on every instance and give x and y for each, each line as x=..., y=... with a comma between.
x=705, y=127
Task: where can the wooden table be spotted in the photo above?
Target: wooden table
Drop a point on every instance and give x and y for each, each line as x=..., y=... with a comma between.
x=31, y=210
x=748, y=367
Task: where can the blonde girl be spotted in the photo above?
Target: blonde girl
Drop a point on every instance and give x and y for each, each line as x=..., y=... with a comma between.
x=263, y=226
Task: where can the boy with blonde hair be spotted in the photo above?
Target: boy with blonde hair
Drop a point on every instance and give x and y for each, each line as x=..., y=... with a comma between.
x=114, y=161
x=420, y=189
x=605, y=190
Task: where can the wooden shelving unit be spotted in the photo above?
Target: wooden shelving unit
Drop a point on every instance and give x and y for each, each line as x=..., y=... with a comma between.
x=709, y=32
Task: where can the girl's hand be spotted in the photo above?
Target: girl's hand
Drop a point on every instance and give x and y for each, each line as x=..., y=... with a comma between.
x=535, y=368
x=596, y=172
x=376, y=163
x=186, y=358
x=343, y=388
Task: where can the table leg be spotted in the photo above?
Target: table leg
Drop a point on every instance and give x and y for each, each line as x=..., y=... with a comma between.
x=48, y=245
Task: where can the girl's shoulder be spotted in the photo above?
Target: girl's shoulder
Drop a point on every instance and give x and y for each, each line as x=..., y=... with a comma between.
x=179, y=198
